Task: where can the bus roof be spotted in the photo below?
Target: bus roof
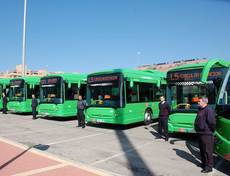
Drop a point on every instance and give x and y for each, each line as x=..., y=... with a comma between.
x=70, y=77
x=136, y=75
x=205, y=66
x=5, y=81
x=29, y=79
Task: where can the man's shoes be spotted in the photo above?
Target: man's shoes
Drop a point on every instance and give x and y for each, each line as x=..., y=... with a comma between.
x=206, y=170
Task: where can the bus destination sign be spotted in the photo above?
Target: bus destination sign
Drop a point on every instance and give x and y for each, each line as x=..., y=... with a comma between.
x=194, y=75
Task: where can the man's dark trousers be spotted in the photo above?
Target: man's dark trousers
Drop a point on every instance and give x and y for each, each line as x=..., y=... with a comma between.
x=206, y=150
x=34, y=113
x=163, y=125
x=4, y=109
x=81, y=118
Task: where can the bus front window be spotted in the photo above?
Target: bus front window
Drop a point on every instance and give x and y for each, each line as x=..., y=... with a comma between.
x=104, y=94
x=50, y=91
x=186, y=97
x=17, y=90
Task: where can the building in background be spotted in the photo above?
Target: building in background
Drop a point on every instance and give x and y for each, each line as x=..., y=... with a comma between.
x=18, y=72
x=160, y=66
x=167, y=66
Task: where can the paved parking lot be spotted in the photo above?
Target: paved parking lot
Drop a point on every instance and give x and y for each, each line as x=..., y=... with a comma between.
x=114, y=150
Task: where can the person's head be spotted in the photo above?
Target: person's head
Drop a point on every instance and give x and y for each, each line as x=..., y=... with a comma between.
x=203, y=101
x=79, y=97
x=162, y=98
x=33, y=96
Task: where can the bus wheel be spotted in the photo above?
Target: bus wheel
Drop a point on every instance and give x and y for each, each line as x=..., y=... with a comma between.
x=147, y=117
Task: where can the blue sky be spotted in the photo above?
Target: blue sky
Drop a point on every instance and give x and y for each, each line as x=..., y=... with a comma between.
x=94, y=35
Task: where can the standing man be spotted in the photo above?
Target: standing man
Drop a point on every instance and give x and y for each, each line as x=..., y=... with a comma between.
x=4, y=103
x=81, y=105
x=34, y=106
x=205, y=125
x=164, y=111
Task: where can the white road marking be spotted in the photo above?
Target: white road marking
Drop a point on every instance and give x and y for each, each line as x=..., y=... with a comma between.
x=59, y=159
x=77, y=138
x=28, y=132
x=120, y=154
x=41, y=170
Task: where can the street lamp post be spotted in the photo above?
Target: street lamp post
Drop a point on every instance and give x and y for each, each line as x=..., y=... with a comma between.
x=24, y=40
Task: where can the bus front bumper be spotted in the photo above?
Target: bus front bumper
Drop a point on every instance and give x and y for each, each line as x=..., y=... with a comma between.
x=180, y=128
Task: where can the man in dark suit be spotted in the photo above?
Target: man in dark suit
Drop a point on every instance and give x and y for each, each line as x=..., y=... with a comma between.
x=205, y=125
x=34, y=106
x=81, y=105
x=164, y=111
x=4, y=103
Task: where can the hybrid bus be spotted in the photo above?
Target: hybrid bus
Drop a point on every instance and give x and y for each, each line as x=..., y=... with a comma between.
x=4, y=87
x=20, y=93
x=186, y=84
x=59, y=94
x=124, y=96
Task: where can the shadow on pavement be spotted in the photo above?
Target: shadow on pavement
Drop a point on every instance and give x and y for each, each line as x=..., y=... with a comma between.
x=194, y=153
x=114, y=126
x=135, y=163
x=58, y=118
x=14, y=158
x=41, y=147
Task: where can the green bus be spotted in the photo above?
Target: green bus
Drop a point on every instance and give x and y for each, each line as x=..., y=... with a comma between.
x=124, y=96
x=20, y=93
x=186, y=84
x=4, y=87
x=222, y=144
x=59, y=94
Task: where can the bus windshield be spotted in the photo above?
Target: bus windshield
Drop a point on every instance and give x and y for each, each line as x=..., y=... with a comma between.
x=185, y=88
x=104, y=91
x=186, y=97
x=17, y=90
x=50, y=90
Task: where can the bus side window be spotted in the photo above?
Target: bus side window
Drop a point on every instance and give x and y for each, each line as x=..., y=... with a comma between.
x=158, y=92
x=227, y=93
x=131, y=93
x=36, y=91
x=71, y=93
x=83, y=91
x=225, y=98
x=146, y=92
x=29, y=91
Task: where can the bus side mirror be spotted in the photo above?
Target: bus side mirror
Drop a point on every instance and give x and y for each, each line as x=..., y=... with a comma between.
x=158, y=83
x=131, y=84
x=79, y=84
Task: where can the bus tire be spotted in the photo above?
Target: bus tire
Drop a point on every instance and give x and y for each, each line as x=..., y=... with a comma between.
x=147, y=117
